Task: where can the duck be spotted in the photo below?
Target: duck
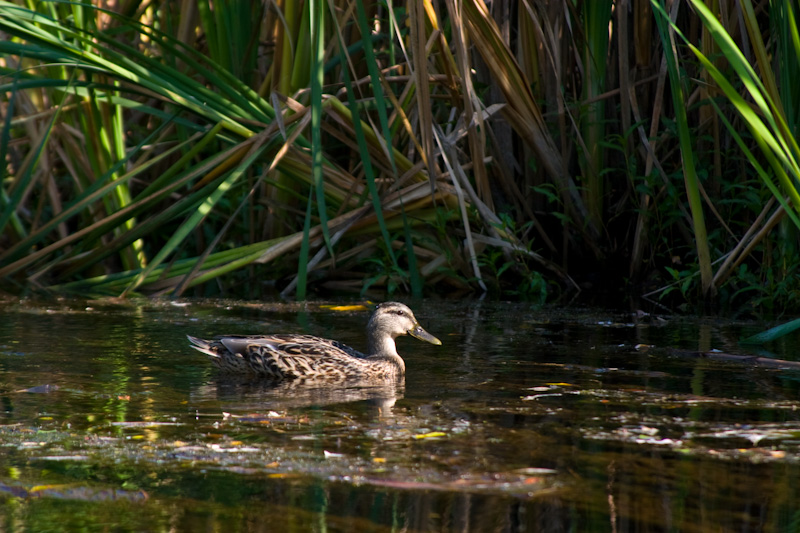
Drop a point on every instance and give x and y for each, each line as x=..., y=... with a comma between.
x=282, y=357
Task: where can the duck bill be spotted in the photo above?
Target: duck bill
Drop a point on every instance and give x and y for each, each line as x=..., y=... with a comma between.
x=419, y=333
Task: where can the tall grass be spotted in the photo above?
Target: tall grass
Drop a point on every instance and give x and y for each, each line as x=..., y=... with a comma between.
x=691, y=179
x=242, y=148
x=244, y=141
x=760, y=107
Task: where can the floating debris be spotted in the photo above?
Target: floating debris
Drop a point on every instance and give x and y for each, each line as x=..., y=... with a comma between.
x=431, y=435
x=331, y=455
x=72, y=492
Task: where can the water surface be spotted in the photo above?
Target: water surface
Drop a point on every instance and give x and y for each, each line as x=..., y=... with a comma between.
x=525, y=419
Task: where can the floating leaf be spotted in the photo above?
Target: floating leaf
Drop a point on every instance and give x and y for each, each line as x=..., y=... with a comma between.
x=345, y=307
x=431, y=435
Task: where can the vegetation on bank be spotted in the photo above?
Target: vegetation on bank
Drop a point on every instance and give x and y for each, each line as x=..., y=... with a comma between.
x=242, y=148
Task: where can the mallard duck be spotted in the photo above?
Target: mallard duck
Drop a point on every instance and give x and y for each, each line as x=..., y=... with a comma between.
x=287, y=356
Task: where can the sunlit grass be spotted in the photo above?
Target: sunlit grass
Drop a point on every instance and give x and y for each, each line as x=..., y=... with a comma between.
x=400, y=146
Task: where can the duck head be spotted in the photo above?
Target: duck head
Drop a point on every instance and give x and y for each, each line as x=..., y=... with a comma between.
x=394, y=319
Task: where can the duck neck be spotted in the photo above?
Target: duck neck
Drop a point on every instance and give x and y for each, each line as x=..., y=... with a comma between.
x=384, y=347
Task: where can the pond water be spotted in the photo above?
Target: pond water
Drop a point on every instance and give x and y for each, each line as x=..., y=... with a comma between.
x=525, y=419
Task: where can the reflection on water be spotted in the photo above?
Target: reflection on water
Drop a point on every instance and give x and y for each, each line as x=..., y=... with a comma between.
x=524, y=420
x=261, y=394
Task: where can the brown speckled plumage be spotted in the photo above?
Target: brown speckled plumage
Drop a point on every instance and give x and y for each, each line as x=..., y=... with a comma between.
x=288, y=356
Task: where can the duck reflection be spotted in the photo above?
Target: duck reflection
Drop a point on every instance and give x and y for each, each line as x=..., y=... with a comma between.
x=379, y=396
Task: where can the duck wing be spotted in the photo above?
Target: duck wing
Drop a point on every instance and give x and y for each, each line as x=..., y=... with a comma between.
x=296, y=356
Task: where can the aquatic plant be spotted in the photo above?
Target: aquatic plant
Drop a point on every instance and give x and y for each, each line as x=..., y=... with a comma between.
x=241, y=148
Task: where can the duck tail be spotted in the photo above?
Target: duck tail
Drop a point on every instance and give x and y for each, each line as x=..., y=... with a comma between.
x=202, y=345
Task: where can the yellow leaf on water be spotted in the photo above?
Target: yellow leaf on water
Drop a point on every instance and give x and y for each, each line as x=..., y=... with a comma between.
x=431, y=435
x=39, y=488
x=358, y=307
x=378, y=459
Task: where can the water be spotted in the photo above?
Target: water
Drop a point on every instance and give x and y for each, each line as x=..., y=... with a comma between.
x=524, y=420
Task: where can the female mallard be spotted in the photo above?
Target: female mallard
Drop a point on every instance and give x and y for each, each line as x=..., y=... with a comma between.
x=282, y=357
